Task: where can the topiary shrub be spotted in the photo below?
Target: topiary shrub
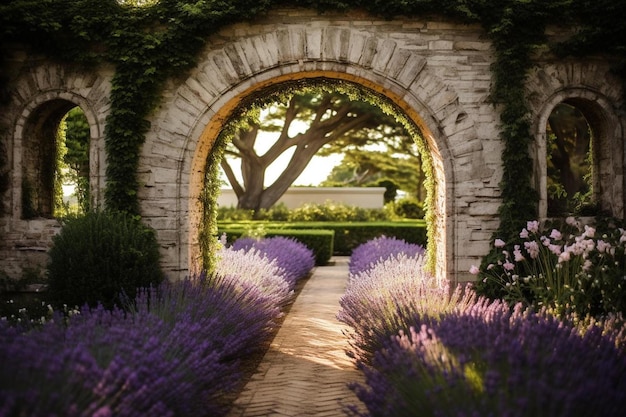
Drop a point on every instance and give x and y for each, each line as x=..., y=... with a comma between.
x=100, y=255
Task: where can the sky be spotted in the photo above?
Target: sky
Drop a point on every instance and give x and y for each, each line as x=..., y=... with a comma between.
x=316, y=172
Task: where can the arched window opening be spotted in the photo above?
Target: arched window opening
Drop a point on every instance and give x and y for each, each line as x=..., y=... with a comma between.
x=569, y=162
x=55, y=169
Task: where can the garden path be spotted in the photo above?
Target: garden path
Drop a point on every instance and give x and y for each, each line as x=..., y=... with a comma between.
x=305, y=372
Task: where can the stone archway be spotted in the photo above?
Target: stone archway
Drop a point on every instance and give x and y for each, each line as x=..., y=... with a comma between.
x=47, y=90
x=198, y=108
x=584, y=86
x=437, y=72
x=42, y=95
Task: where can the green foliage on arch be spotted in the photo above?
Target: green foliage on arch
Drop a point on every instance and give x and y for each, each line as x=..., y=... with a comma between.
x=150, y=42
x=282, y=93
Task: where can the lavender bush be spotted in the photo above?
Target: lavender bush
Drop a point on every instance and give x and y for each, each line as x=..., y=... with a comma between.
x=173, y=352
x=490, y=361
x=384, y=299
x=293, y=257
x=368, y=254
x=251, y=267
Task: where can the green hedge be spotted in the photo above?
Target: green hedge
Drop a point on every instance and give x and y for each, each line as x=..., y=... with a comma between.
x=347, y=235
x=319, y=241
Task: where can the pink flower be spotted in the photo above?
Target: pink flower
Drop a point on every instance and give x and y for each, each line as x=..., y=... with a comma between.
x=603, y=246
x=555, y=234
x=499, y=243
x=524, y=234
x=564, y=257
x=555, y=249
x=532, y=226
x=474, y=270
x=589, y=231
x=587, y=265
x=532, y=248
x=517, y=254
x=571, y=221
x=508, y=266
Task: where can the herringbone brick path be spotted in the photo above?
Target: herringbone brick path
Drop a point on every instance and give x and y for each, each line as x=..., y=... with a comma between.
x=305, y=372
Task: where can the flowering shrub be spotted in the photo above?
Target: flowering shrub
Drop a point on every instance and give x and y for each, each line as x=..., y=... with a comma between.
x=368, y=254
x=490, y=361
x=574, y=268
x=384, y=299
x=252, y=267
x=294, y=258
x=172, y=352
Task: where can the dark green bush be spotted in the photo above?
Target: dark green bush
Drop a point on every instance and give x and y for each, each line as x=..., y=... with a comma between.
x=98, y=256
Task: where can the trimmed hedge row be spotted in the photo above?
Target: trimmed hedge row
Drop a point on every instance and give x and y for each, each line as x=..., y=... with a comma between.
x=319, y=241
x=347, y=235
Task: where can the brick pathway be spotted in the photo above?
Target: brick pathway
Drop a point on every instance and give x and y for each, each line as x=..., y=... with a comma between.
x=305, y=371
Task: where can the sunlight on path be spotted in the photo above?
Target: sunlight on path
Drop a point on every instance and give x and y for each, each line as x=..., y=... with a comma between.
x=306, y=371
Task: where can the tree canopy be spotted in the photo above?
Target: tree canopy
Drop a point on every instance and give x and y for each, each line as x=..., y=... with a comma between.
x=307, y=123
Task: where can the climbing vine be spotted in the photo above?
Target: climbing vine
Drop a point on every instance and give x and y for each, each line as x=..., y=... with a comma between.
x=281, y=94
x=151, y=41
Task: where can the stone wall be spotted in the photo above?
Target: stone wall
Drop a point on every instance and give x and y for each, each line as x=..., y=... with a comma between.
x=364, y=197
x=435, y=71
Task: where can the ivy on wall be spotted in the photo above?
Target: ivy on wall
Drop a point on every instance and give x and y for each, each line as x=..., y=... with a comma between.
x=152, y=44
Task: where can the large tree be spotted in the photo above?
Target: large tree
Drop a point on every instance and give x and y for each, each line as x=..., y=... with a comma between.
x=309, y=122
x=380, y=168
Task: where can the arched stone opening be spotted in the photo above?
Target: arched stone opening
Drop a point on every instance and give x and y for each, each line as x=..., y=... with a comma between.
x=447, y=98
x=219, y=119
x=35, y=156
x=607, y=150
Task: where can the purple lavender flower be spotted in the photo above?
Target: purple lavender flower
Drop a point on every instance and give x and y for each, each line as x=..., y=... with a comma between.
x=293, y=257
x=253, y=267
x=174, y=352
x=490, y=361
x=385, y=298
x=368, y=254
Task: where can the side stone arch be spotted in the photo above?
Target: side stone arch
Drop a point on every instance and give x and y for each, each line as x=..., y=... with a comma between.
x=197, y=108
x=590, y=87
x=45, y=92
